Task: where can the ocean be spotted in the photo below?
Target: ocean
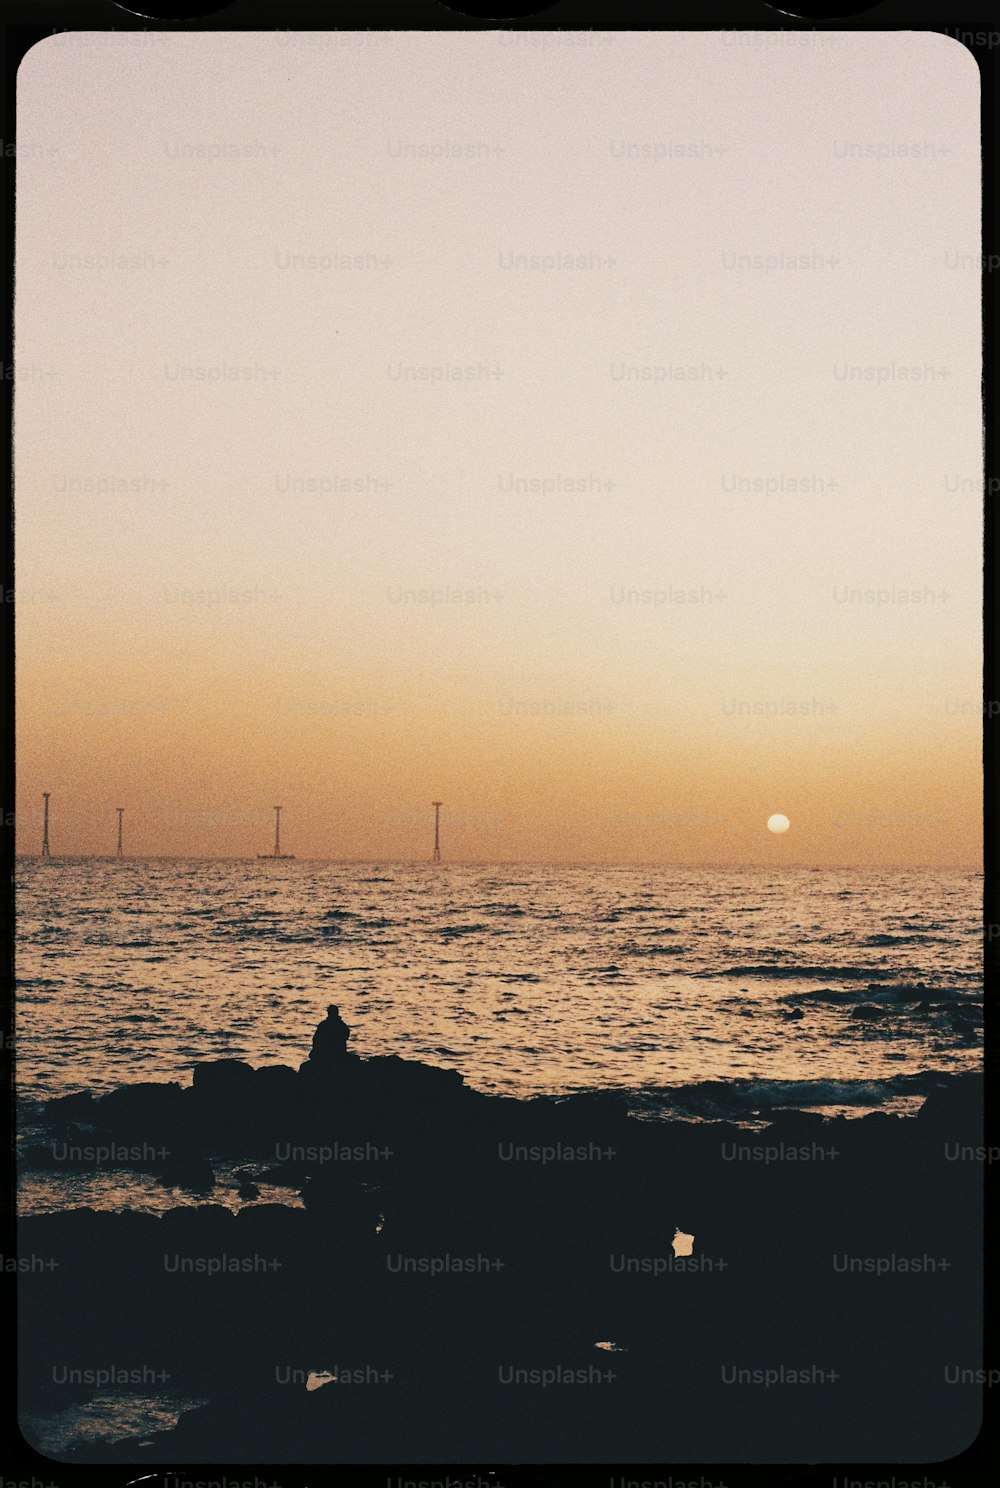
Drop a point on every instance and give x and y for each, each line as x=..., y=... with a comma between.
x=676, y=985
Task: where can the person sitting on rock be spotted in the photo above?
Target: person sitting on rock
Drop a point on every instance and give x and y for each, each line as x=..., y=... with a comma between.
x=329, y=1045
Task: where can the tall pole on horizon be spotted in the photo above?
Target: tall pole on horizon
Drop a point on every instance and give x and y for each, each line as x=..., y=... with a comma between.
x=277, y=831
x=121, y=812
x=45, y=827
x=437, y=831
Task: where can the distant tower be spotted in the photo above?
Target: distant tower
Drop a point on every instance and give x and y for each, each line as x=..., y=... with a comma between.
x=277, y=839
x=45, y=826
x=437, y=831
x=121, y=812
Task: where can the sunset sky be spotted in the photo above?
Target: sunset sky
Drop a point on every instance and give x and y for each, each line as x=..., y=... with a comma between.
x=338, y=486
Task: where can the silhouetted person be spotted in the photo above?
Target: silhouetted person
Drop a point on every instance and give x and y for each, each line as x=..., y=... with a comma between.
x=329, y=1045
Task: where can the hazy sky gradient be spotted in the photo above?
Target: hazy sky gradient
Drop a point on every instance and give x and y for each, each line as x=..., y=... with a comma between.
x=556, y=718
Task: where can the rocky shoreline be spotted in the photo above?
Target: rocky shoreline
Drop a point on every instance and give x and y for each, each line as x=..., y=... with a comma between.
x=473, y=1277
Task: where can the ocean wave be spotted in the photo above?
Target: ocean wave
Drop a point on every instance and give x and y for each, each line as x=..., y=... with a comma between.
x=652, y=950
x=736, y=1100
x=887, y=939
x=650, y=911
x=772, y=969
x=879, y=992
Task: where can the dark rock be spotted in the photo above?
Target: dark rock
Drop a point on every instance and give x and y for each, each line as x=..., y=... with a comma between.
x=868, y=1010
x=224, y=1079
x=390, y=1137
x=77, y=1106
x=877, y=1119
x=406, y=1078
x=146, y=1104
x=794, y=1013
x=795, y=1126
x=275, y=1081
x=34, y=1155
x=187, y=1170
x=955, y=1107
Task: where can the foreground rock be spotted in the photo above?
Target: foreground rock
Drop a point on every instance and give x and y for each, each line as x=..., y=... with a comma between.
x=459, y=1257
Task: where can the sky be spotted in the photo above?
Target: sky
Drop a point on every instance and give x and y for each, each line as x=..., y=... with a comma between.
x=582, y=431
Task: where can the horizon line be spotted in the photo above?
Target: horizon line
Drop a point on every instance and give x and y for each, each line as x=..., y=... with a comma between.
x=111, y=857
